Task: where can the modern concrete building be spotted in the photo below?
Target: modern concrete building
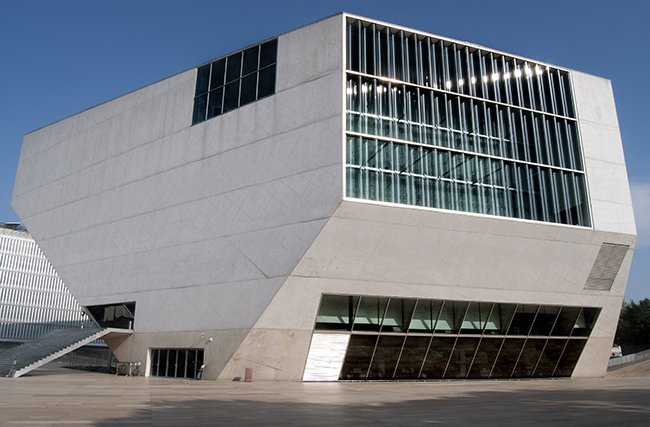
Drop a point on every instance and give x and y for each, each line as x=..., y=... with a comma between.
x=33, y=299
x=348, y=200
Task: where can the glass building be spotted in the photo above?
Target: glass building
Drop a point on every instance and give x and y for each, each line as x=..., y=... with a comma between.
x=350, y=200
x=33, y=299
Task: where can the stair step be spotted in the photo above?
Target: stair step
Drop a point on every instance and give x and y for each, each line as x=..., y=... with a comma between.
x=46, y=346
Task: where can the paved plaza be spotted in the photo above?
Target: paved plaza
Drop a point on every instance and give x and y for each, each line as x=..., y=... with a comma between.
x=55, y=396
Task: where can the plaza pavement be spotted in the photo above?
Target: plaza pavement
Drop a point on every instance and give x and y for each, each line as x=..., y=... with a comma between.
x=55, y=396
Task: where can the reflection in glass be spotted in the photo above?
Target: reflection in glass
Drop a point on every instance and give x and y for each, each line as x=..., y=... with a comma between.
x=550, y=357
x=451, y=316
x=336, y=312
x=248, y=87
x=398, y=315
x=585, y=322
x=500, y=319
x=218, y=73
x=216, y=102
x=250, y=60
x=528, y=358
x=425, y=316
x=268, y=53
x=455, y=356
x=202, y=79
x=266, y=82
x=507, y=358
x=231, y=97
x=233, y=67
x=485, y=357
x=565, y=321
x=385, y=359
x=461, y=357
x=370, y=314
x=357, y=358
x=413, y=353
x=438, y=356
x=476, y=318
x=200, y=108
x=523, y=319
x=545, y=320
x=569, y=358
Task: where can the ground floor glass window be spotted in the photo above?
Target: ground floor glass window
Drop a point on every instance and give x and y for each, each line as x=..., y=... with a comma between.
x=401, y=338
x=176, y=363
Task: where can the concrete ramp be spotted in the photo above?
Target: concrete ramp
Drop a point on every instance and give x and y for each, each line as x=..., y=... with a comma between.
x=33, y=354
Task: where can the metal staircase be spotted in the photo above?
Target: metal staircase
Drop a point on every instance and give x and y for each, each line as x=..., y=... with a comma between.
x=33, y=354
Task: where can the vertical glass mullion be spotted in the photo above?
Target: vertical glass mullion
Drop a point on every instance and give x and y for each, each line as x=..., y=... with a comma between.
x=443, y=120
x=437, y=65
x=505, y=82
x=475, y=73
x=363, y=53
x=571, y=146
x=562, y=202
x=477, y=200
x=371, y=49
x=383, y=42
x=552, y=102
x=400, y=56
x=582, y=194
x=562, y=102
x=565, y=144
x=463, y=68
x=537, y=193
x=578, y=198
x=434, y=182
x=523, y=185
x=446, y=78
x=571, y=197
x=495, y=78
x=512, y=190
x=470, y=125
x=575, y=145
x=543, y=137
x=426, y=60
x=534, y=135
x=413, y=60
x=485, y=79
x=568, y=93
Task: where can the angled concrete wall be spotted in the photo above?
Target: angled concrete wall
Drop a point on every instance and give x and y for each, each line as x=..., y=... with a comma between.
x=200, y=225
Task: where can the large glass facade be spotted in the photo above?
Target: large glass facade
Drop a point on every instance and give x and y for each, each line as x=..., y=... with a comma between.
x=402, y=338
x=235, y=80
x=437, y=124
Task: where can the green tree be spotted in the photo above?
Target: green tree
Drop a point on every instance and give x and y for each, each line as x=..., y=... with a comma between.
x=633, y=332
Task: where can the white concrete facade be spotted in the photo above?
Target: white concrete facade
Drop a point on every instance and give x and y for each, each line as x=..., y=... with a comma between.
x=233, y=228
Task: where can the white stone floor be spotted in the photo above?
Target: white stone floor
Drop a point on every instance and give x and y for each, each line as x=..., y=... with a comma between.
x=54, y=396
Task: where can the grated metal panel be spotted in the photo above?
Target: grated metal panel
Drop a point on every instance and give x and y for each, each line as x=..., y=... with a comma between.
x=606, y=267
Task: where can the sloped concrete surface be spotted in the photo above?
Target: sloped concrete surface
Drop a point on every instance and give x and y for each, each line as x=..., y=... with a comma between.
x=640, y=369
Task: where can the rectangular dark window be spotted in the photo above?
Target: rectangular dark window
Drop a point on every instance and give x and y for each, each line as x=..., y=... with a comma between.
x=234, y=81
x=176, y=363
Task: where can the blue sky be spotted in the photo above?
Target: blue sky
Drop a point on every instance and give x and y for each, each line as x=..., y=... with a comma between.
x=60, y=57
